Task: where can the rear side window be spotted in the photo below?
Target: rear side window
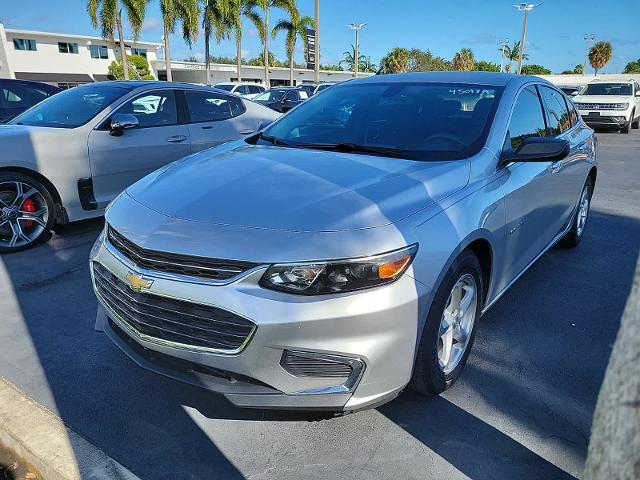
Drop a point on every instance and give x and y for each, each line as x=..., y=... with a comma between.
x=207, y=106
x=556, y=108
x=237, y=106
x=255, y=89
x=527, y=119
x=22, y=96
x=573, y=115
x=153, y=109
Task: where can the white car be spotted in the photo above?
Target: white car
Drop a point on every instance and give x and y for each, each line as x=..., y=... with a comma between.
x=245, y=90
x=610, y=104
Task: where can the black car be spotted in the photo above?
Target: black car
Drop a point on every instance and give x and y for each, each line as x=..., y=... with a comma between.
x=282, y=99
x=19, y=95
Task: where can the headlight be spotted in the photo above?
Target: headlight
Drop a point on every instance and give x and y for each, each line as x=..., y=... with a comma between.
x=339, y=276
x=620, y=106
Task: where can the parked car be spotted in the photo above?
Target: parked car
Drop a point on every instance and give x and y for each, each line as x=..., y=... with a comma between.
x=348, y=249
x=323, y=86
x=282, y=99
x=610, y=104
x=245, y=90
x=310, y=88
x=66, y=158
x=19, y=95
x=570, y=90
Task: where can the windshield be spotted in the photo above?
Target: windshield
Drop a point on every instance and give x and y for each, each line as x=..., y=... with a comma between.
x=424, y=121
x=608, y=89
x=271, y=96
x=70, y=108
x=224, y=86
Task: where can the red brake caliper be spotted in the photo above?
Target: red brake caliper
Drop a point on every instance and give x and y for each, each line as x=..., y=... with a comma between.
x=28, y=206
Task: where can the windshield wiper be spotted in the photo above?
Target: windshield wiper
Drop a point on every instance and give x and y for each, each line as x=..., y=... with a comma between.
x=356, y=148
x=273, y=140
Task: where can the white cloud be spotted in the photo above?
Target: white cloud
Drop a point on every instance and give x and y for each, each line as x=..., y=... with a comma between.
x=151, y=24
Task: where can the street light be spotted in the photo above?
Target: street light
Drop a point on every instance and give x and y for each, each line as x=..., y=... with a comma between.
x=356, y=27
x=588, y=38
x=316, y=26
x=503, y=44
x=526, y=8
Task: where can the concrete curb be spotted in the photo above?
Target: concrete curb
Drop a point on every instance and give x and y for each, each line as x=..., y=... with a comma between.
x=42, y=439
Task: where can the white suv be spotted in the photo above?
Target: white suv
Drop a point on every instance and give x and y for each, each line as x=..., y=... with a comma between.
x=610, y=104
x=245, y=90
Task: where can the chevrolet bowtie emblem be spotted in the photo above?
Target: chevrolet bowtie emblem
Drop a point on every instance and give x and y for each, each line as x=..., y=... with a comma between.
x=138, y=282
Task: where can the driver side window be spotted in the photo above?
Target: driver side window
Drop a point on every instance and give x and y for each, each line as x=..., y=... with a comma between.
x=153, y=109
x=527, y=119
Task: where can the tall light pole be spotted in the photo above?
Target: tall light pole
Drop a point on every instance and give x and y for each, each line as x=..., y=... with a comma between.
x=503, y=44
x=526, y=8
x=588, y=38
x=356, y=27
x=317, y=42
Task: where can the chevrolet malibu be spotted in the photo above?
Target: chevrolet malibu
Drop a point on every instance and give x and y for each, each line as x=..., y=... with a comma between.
x=348, y=250
x=66, y=158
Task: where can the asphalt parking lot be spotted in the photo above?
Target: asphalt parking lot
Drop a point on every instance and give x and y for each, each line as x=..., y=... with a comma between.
x=522, y=409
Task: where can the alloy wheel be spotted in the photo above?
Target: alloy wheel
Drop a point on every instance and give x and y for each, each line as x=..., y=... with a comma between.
x=23, y=214
x=457, y=323
x=583, y=211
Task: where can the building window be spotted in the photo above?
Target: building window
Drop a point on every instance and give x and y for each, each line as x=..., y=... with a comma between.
x=24, y=44
x=66, y=47
x=139, y=51
x=99, y=51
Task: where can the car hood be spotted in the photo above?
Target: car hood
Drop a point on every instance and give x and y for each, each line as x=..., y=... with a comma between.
x=602, y=98
x=301, y=190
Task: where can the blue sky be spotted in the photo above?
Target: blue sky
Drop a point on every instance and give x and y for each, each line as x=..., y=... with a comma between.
x=554, y=35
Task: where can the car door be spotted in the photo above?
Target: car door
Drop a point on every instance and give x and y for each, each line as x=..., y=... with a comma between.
x=161, y=137
x=290, y=100
x=215, y=118
x=529, y=190
x=567, y=175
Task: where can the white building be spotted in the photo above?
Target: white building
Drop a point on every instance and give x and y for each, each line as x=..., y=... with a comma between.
x=68, y=60
x=61, y=59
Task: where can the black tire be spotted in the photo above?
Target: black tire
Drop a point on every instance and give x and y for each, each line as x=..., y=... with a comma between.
x=39, y=232
x=635, y=124
x=428, y=377
x=627, y=126
x=574, y=236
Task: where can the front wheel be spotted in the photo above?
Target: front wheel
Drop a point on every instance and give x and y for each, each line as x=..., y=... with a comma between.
x=26, y=212
x=450, y=327
x=627, y=126
x=574, y=236
x=635, y=124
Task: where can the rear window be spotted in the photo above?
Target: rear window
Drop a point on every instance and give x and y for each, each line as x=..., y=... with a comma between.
x=428, y=121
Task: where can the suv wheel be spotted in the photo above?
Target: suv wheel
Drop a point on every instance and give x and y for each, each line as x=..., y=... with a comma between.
x=627, y=126
x=450, y=327
x=574, y=236
x=26, y=212
x=635, y=124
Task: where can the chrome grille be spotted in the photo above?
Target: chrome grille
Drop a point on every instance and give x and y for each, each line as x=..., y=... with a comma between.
x=302, y=364
x=192, y=266
x=172, y=321
x=600, y=106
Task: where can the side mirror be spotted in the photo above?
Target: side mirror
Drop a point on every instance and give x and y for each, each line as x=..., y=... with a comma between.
x=264, y=124
x=537, y=149
x=121, y=122
x=576, y=93
x=637, y=93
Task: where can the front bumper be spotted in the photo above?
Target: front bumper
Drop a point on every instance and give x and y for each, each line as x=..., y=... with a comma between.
x=375, y=329
x=612, y=119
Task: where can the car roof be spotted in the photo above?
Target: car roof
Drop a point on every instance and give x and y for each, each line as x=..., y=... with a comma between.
x=484, y=78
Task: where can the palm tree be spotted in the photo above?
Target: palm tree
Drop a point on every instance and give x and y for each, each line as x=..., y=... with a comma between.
x=184, y=11
x=463, y=60
x=349, y=59
x=216, y=18
x=107, y=16
x=599, y=55
x=367, y=65
x=262, y=23
x=512, y=54
x=294, y=27
x=396, y=61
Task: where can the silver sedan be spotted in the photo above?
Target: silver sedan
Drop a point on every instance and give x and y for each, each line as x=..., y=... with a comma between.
x=66, y=158
x=348, y=250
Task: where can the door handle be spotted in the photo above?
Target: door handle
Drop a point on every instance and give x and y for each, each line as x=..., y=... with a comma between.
x=177, y=138
x=246, y=131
